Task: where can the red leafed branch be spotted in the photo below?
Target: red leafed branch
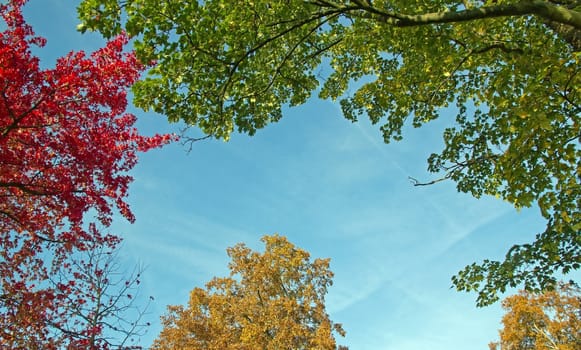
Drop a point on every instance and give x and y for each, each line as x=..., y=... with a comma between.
x=66, y=145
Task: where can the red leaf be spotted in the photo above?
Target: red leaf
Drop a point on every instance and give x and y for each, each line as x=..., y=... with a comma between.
x=66, y=145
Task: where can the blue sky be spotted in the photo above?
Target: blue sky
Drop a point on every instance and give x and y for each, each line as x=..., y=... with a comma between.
x=333, y=188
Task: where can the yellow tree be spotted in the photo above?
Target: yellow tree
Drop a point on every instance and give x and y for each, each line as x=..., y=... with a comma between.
x=551, y=320
x=271, y=300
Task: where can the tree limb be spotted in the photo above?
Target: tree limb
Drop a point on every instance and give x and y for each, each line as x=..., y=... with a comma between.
x=539, y=8
x=417, y=182
x=543, y=9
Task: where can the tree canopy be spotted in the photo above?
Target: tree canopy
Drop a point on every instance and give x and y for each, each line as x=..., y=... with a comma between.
x=546, y=321
x=271, y=300
x=503, y=73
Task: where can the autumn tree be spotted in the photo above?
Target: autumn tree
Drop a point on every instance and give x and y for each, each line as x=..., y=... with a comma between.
x=66, y=145
x=546, y=321
x=96, y=304
x=507, y=69
x=101, y=305
x=271, y=300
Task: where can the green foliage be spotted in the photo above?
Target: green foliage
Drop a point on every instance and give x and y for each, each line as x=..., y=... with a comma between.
x=552, y=252
x=219, y=65
x=510, y=69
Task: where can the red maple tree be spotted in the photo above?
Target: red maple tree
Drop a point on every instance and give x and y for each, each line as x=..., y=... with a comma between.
x=66, y=145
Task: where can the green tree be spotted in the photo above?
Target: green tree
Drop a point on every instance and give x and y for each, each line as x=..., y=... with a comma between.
x=271, y=300
x=508, y=68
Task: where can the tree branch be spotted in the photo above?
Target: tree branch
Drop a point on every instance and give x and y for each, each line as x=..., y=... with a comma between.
x=543, y=9
x=417, y=182
x=539, y=8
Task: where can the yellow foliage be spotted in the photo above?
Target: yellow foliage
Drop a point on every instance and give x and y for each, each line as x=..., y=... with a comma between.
x=547, y=321
x=272, y=300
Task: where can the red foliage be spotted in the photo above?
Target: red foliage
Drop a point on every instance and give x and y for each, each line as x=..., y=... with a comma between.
x=66, y=145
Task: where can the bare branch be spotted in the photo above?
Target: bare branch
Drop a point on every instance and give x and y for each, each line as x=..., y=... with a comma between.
x=416, y=182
